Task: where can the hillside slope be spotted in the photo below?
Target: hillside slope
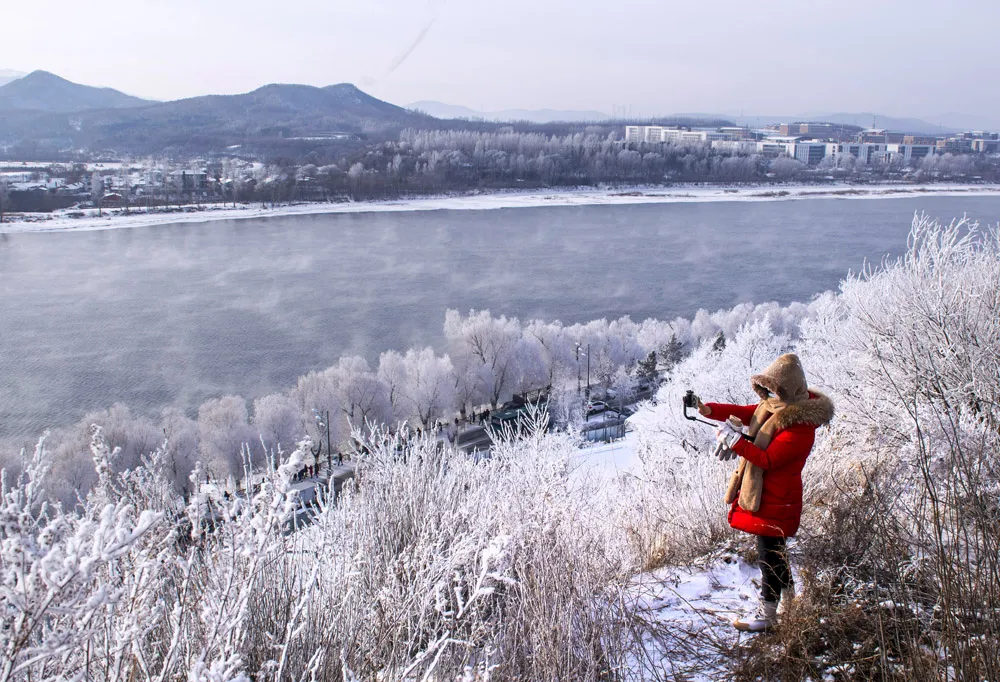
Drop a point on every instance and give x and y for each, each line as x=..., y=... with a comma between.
x=44, y=91
x=273, y=116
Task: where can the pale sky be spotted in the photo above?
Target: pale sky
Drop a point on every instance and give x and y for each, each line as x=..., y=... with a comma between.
x=896, y=57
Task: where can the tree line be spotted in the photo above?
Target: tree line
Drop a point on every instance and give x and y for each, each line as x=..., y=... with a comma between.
x=423, y=162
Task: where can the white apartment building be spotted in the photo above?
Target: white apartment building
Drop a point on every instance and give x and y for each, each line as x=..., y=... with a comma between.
x=657, y=134
x=735, y=146
x=877, y=152
x=776, y=146
x=910, y=152
x=695, y=136
x=810, y=152
x=865, y=152
x=654, y=134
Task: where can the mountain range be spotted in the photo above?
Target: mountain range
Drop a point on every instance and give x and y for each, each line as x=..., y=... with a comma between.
x=44, y=112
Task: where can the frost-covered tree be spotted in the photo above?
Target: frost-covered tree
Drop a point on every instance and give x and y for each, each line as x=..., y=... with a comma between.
x=429, y=389
x=611, y=345
x=554, y=349
x=129, y=436
x=392, y=374
x=787, y=168
x=491, y=349
x=181, y=435
x=277, y=421
x=363, y=397
x=317, y=392
x=224, y=430
x=646, y=369
x=671, y=352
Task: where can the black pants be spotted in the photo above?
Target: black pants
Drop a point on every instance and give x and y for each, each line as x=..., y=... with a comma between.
x=775, y=574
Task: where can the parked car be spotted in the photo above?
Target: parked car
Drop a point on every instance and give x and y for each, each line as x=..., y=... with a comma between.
x=596, y=407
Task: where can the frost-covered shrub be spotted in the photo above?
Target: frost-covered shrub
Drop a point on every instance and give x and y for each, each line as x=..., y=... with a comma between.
x=73, y=578
x=430, y=566
x=435, y=564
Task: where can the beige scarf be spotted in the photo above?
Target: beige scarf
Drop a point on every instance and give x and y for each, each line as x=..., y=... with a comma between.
x=748, y=479
x=790, y=404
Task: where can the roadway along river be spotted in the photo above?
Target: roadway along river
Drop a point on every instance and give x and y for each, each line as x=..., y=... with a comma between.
x=176, y=314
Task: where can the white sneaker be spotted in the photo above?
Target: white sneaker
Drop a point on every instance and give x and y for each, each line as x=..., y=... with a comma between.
x=764, y=618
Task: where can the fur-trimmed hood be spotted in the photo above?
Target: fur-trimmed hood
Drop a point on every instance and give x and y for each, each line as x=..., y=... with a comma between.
x=785, y=378
x=817, y=410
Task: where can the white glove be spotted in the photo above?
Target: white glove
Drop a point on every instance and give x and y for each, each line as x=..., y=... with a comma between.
x=723, y=453
x=726, y=436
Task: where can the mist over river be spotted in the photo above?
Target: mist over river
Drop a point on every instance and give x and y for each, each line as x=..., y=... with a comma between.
x=176, y=314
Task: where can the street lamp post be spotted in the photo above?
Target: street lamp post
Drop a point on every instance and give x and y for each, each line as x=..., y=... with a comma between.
x=329, y=445
x=323, y=422
x=578, y=389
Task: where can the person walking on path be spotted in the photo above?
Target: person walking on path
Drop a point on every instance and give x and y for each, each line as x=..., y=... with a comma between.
x=765, y=492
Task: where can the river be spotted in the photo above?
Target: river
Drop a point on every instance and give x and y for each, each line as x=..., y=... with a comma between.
x=176, y=314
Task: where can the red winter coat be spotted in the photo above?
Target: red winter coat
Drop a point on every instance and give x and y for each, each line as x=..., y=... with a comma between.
x=781, y=500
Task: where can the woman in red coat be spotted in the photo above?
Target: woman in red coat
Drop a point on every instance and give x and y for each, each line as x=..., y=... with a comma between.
x=765, y=492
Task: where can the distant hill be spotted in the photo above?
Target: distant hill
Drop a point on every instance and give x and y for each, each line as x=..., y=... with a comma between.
x=6, y=76
x=44, y=91
x=898, y=124
x=861, y=119
x=297, y=109
x=970, y=121
x=269, y=118
x=446, y=111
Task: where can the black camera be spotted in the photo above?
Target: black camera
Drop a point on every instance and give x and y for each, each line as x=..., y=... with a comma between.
x=690, y=399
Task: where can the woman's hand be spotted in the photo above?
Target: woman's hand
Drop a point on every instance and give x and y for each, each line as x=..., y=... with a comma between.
x=704, y=409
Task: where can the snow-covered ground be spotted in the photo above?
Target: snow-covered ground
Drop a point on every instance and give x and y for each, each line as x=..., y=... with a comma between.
x=61, y=220
x=609, y=459
x=687, y=613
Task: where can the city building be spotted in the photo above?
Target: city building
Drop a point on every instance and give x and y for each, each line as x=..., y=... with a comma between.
x=635, y=134
x=880, y=136
x=919, y=139
x=654, y=134
x=742, y=147
x=186, y=181
x=810, y=129
x=910, y=152
x=810, y=152
x=954, y=145
x=738, y=133
x=658, y=134
x=773, y=146
x=865, y=152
